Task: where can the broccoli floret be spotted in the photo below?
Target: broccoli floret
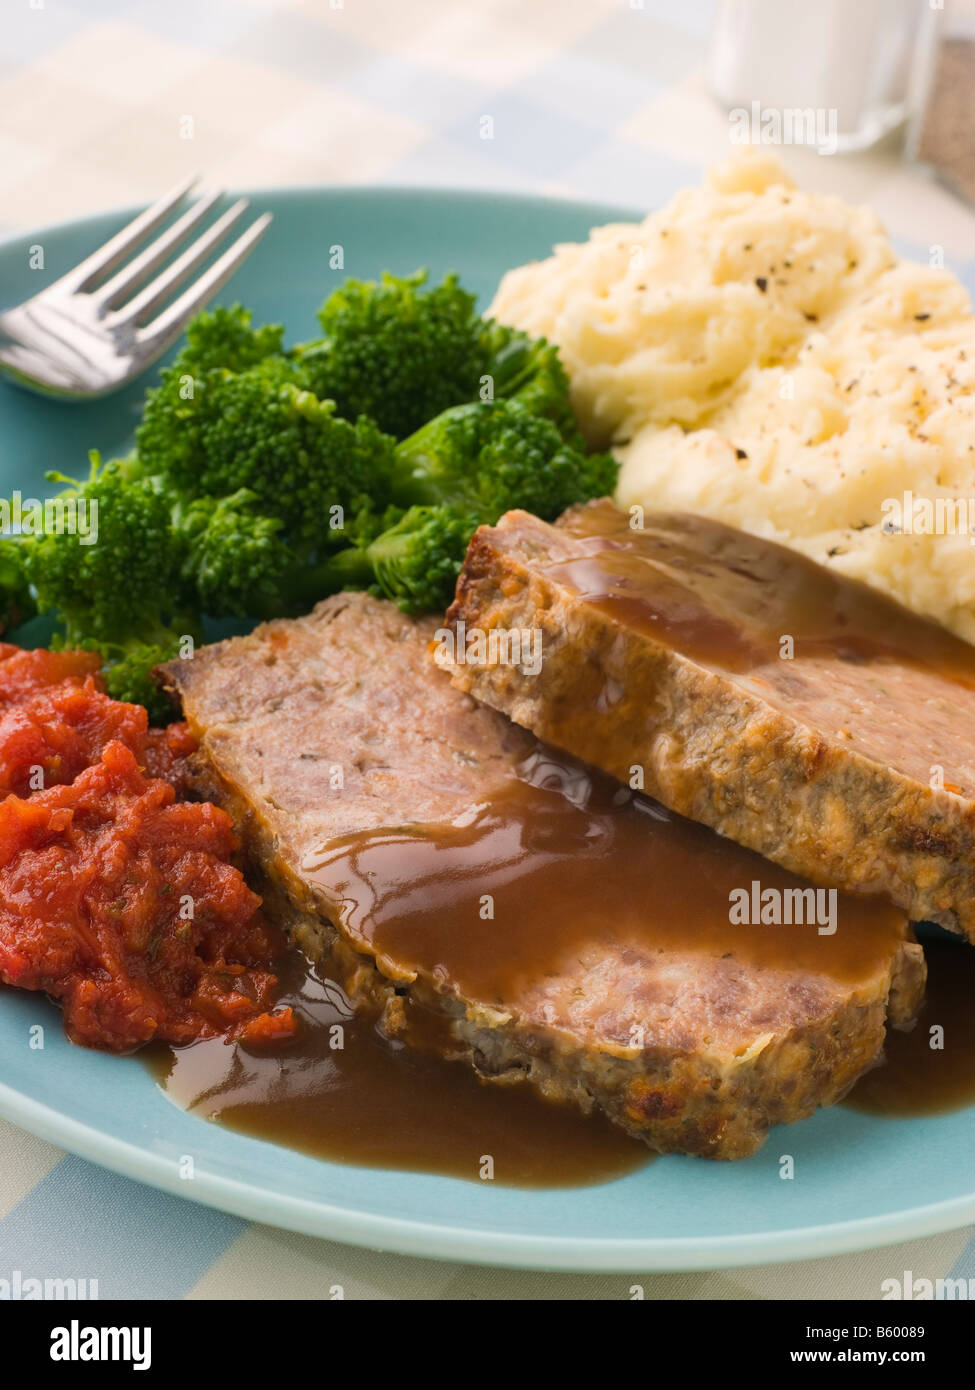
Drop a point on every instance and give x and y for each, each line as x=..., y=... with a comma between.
x=415, y=562
x=223, y=339
x=128, y=664
x=259, y=430
x=402, y=353
x=118, y=583
x=234, y=560
x=217, y=341
x=529, y=370
x=397, y=351
x=464, y=468
x=16, y=600
x=122, y=596
x=260, y=485
x=128, y=675
x=170, y=439
x=297, y=456
x=484, y=459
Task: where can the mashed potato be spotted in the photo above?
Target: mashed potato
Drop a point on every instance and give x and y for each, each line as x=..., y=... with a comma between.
x=758, y=354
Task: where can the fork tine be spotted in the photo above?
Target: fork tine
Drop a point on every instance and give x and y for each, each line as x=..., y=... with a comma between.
x=118, y=246
x=158, y=289
x=170, y=323
x=136, y=270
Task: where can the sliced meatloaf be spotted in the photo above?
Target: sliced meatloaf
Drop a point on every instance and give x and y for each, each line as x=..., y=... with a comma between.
x=334, y=738
x=801, y=714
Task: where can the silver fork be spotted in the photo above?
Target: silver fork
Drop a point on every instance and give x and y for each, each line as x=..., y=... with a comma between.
x=84, y=336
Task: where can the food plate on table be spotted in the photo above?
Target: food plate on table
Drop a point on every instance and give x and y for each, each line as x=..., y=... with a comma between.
x=834, y=1182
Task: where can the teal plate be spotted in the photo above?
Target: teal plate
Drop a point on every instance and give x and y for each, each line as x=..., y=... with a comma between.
x=859, y=1180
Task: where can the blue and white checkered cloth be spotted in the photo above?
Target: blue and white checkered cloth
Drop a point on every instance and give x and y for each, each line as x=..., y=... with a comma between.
x=104, y=102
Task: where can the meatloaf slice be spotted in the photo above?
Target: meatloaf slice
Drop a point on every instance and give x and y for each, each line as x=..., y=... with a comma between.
x=799, y=713
x=334, y=738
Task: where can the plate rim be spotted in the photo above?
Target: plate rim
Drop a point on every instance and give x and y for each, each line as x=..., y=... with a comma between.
x=296, y=191
x=563, y=1254
x=428, y=1239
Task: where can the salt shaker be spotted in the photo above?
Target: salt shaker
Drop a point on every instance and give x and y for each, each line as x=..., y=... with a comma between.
x=837, y=74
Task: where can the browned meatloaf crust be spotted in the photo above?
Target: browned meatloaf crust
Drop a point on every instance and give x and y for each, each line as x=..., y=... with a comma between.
x=821, y=763
x=727, y=1051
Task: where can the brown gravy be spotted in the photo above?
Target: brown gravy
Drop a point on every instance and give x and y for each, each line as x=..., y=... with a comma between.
x=540, y=845
x=380, y=1103
x=916, y=1079
x=572, y=862
x=724, y=598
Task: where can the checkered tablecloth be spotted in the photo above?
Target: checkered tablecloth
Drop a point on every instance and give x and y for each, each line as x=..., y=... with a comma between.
x=105, y=102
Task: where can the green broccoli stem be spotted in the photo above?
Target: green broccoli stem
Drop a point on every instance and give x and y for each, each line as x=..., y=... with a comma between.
x=432, y=467
x=354, y=567
x=351, y=568
x=515, y=365
x=305, y=582
x=414, y=562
